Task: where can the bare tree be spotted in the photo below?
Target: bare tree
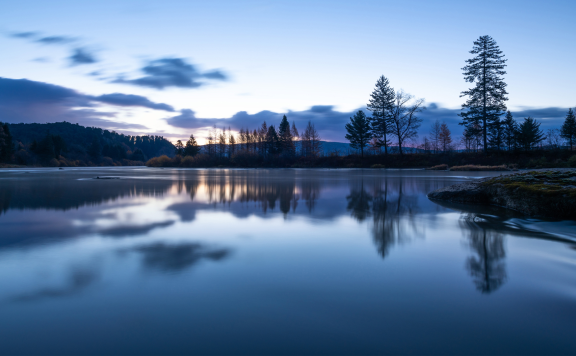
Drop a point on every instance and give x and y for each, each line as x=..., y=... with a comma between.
x=435, y=135
x=403, y=119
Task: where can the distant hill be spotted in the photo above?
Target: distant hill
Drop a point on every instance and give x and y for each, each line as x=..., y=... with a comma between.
x=78, y=138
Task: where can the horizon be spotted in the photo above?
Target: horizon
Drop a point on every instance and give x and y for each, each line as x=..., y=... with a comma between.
x=185, y=74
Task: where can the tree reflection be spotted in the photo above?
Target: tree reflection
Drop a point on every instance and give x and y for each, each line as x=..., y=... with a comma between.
x=486, y=266
x=392, y=210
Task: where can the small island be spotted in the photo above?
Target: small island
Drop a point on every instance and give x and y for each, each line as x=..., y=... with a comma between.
x=544, y=194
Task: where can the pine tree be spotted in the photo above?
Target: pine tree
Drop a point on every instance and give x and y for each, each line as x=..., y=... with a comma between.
x=191, y=148
x=530, y=134
x=381, y=104
x=486, y=100
x=272, y=141
x=179, y=148
x=568, y=130
x=359, y=131
x=509, y=131
x=496, y=135
x=445, y=137
x=285, y=136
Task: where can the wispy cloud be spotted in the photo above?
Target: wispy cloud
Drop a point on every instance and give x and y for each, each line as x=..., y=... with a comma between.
x=172, y=72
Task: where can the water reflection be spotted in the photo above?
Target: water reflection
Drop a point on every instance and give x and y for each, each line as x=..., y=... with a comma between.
x=163, y=257
x=487, y=266
x=172, y=260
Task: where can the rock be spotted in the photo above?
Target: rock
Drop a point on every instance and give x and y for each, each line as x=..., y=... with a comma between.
x=546, y=194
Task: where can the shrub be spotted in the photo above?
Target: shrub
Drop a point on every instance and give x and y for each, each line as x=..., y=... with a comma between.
x=162, y=161
x=378, y=166
x=440, y=167
x=572, y=161
x=471, y=167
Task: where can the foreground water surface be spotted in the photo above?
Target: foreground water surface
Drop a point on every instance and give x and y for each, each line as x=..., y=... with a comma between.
x=169, y=261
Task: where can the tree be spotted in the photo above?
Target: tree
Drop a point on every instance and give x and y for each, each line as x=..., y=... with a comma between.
x=496, y=134
x=568, y=130
x=435, y=131
x=191, y=148
x=380, y=104
x=486, y=100
x=295, y=136
x=553, y=138
x=445, y=137
x=179, y=148
x=6, y=144
x=509, y=131
x=95, y=149
x=359, y=131
x=231, y=144
x=272, y=141
x=530, y=134
x=311, y=145
x=403, y=122
x=286, y=141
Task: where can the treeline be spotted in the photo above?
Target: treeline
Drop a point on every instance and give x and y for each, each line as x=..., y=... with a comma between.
x=263, y=146
x=64, y=144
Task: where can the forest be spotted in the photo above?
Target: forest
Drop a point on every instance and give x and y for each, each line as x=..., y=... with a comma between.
x=63, y=144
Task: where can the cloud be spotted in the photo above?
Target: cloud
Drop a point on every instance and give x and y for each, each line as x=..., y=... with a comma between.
x=55, y=40
x=330, y=122
x=81, y=56
x=26, y=101
x=120, y=99
x=26, y=35
x=172, y=72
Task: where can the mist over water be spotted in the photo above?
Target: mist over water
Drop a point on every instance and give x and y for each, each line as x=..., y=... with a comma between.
x=287, y=261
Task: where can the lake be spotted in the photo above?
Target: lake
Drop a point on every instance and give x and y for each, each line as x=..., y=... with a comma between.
x=283, y=261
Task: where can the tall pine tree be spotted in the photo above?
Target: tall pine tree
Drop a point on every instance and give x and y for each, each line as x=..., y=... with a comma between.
x=486, y=100
x=568, y=130
x=286, y=146
x=381, y=104
x=359, y=131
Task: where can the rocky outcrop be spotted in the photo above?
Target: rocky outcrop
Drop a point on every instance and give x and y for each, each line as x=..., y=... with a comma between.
x=549, y=194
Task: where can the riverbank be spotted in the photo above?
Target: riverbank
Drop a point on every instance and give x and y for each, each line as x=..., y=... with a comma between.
x=543, y=193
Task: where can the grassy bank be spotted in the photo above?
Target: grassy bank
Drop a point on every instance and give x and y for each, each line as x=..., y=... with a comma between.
x=456, y=160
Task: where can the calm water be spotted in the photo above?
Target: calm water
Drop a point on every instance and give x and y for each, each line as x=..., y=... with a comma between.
x=167, y=261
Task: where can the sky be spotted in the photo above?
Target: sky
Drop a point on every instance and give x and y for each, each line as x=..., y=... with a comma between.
x=173, y=68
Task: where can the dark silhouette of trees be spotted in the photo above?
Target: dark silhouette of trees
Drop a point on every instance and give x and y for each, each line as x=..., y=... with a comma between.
x=285, y=138
x=496, y=135
x=272, y=141
x=6, y=143
x=486, y=100
x=359, y=131
x=568, y=130
x=138, y=155
x=529, y=134
x=380, y=104
x=509, y=131
x=191, y=148
x=310, y=141
x=179, y=148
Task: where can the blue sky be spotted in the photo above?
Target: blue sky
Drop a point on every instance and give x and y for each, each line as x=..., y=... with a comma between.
x=243, y=61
